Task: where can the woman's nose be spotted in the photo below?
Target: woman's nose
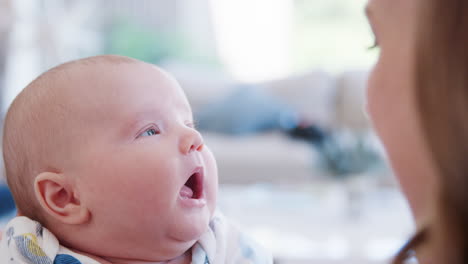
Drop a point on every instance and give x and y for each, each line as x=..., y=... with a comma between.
x=190, y=141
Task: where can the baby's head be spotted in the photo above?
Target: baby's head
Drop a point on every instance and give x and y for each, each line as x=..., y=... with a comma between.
x=103, y=152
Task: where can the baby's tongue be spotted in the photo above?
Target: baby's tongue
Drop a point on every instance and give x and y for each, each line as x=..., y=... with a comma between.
x=186, y=192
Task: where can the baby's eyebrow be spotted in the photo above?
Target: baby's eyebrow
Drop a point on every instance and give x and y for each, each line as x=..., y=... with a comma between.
x=186, y=110
x=134, y=121
x=189, y=113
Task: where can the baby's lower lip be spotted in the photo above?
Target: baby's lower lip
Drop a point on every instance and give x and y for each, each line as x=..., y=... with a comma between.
x=190, y=202
x=186, y=197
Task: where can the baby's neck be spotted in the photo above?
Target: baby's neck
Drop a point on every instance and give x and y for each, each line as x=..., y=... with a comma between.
x=186, y=258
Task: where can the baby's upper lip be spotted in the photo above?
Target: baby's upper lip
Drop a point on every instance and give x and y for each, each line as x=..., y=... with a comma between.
x=197, y=169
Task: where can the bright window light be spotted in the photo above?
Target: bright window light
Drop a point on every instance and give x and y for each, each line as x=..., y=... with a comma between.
x=254, y=37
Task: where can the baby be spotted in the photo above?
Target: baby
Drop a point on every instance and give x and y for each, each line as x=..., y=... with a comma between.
x=105, y=166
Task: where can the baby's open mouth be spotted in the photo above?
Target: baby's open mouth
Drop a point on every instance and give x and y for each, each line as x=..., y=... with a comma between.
x=193, y=188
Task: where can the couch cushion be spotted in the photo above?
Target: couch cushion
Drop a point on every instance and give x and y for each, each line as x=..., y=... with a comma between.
x=312, y=94
x=270, y=157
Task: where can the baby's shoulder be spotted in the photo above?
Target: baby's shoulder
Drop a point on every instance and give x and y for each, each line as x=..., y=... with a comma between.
x=26, y=241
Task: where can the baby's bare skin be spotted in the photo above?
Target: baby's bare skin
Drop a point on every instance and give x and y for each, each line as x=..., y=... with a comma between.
x=131, y=180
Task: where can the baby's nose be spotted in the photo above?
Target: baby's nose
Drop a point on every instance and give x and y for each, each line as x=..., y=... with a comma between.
x=191, y=141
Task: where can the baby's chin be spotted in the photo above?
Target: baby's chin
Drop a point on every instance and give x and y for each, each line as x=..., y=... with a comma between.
x=168, y=249
x=193, y=230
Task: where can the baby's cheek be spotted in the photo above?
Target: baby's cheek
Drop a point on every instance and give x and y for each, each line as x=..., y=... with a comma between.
x=211, y=176
x=210, y=162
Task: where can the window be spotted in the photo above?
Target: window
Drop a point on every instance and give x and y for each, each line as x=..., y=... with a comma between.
x=261, y=39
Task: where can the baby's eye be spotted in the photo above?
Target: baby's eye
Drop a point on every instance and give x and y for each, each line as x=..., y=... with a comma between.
x=149, y=132
x=192, y=125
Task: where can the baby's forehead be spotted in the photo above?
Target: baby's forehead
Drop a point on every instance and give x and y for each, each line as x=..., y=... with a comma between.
x=111, y=80
x=123, y=76
x=120, y=87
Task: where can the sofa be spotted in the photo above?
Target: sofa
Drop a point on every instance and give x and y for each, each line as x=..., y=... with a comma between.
x=332, y=101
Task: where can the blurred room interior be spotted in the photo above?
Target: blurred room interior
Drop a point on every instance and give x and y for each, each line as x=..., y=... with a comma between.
x=278, y=91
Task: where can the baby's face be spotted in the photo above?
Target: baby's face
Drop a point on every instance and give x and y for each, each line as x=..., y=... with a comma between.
x=142, y=170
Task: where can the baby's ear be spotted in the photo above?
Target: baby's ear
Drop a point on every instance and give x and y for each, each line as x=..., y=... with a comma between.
x=58, y=198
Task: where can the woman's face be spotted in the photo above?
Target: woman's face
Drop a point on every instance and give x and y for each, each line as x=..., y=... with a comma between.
x=391, y=100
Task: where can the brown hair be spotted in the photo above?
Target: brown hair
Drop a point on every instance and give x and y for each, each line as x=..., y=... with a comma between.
x=441, y=91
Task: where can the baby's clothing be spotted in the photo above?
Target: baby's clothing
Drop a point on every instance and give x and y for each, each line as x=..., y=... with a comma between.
x=26, y=242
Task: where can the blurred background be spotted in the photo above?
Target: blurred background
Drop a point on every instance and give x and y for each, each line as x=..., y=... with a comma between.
x=278, y=91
